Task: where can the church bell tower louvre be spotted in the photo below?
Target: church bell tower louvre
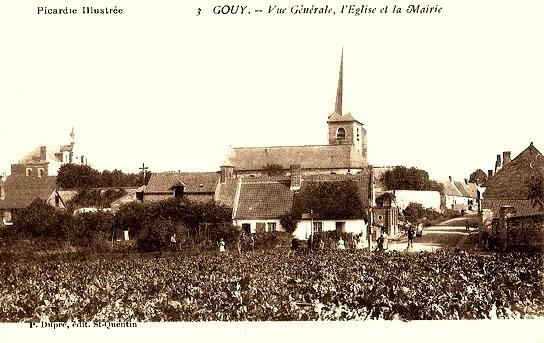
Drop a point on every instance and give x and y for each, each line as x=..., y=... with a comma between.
x=344, y=129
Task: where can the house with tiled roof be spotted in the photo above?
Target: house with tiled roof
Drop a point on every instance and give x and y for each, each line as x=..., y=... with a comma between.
x=18, y=191
x=459, y=195
x=194, y=186
x=260, y=202
x=512, y=212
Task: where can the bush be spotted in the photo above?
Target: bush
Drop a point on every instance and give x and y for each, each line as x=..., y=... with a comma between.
x=155, y=235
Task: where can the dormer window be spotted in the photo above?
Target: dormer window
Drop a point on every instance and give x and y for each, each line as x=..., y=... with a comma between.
x=178, y=189
x=341, y=134
x=28, y=171
x=40, y=172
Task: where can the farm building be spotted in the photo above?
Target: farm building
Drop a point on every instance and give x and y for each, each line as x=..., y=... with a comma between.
x=513, y=208
x=318, y=203
x=18, y=191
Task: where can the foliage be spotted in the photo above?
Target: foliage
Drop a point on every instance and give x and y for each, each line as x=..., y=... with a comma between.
x=39, y=220
x=74, y=176
x=535, y=187
x=288, y=222
x=100, y=198
x=478, y=177
x=330, y=285
x=415, y=212
x=410, y=179
x=329, y=200
x=273, y=169
x=155, y=235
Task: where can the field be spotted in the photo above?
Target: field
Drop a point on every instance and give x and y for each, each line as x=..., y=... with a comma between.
x=274, y=286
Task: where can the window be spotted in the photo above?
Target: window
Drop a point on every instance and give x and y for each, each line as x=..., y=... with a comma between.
x=318, y=227
x=341, y=134
x=40, y=172
x=357, y=134
x=28, y=171
x=340, y=227
x=271, y=227
x=57, y=200
x=246, y=227
x=7, y=217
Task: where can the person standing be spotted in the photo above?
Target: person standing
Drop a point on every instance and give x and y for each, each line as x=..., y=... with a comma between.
x=410, y=237
x=380, y=241
x=221, y=245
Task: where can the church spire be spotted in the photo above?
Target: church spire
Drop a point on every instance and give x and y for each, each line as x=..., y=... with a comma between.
x=72, y=137
x=340, y=90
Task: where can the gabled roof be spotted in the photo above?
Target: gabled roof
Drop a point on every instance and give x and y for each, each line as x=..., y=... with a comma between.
x=347, y=117
x=270, y=197
x=205, y=182
x=510, y=181
x=226, y=192
x=522, y=207
x=21, y=190
x=467, y=189
x=450, y=189
x=263, y=199
x=307, y=156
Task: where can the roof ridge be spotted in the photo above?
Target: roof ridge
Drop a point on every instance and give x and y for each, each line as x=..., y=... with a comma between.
x=289, y=146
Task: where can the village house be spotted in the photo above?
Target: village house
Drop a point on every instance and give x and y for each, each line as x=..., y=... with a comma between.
x=46, y=160
x=460, y=195
x=261, y=202
x=19, y=191
x=512, y=204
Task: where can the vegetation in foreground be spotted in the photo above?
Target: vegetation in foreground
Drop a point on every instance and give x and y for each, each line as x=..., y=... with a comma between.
x=275, y=285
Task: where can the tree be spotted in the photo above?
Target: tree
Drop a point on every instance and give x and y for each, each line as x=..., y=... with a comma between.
x=330, y=200
x=288, y=222
x=74, y=176
x=410, y=179
x=385, y=199
x=478, y=177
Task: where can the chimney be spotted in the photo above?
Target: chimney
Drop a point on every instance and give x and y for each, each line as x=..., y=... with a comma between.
x=506, y=158
x=466, y=181
x=451, y=178
x=498, y=164
x=43, y=155
x=296, y=177
x=489, y=172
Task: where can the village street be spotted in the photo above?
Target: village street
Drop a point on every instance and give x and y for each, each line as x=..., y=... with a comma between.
x=437, y=237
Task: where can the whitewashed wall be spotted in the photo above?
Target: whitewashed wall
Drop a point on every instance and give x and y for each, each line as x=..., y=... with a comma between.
x=429, y=199
x=355, y=226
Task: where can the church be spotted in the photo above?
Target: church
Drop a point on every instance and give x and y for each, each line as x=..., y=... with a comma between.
x=345, y=153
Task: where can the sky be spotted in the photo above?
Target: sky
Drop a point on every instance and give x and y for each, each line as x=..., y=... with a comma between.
x=162, y=86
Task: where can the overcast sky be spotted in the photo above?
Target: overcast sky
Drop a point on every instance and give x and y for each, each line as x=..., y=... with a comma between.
x=160, y=85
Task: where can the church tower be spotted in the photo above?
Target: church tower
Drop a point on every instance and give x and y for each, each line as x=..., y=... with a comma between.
x=344, y=129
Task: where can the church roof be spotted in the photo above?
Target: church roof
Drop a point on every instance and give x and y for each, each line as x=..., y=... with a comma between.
x=307, y=156
x=204, y=182
x=336, y=117
x=21, y=190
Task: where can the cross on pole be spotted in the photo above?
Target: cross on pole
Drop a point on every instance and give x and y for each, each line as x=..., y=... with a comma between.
x=143, y=168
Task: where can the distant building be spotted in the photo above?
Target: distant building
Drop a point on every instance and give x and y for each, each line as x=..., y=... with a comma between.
x=46, y=160
x=18, y=191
